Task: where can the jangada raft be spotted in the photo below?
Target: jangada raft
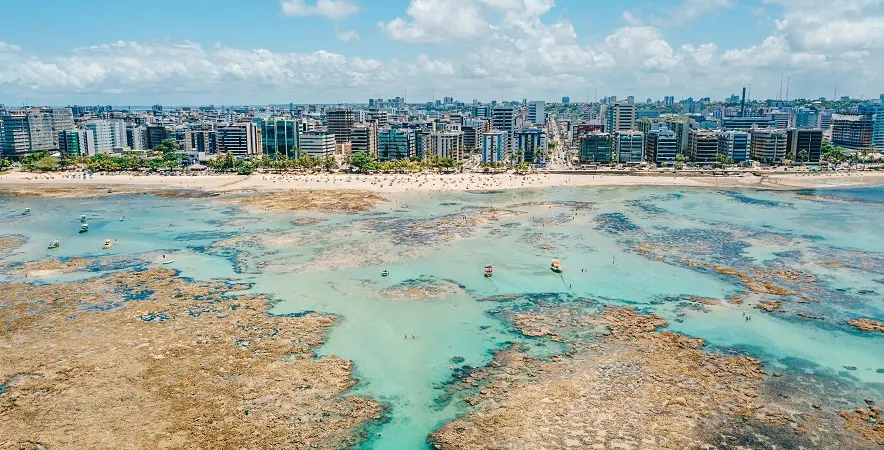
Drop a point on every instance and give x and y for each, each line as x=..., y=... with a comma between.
x=555, y=266
x=488, y=271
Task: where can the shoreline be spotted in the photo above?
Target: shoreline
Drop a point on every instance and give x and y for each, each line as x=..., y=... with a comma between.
x=56, y=185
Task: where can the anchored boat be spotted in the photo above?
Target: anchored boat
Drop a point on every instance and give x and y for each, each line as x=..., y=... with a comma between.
x=26, y=211
x=107, y=243
x=488, y=271
x=556, y=266
x=83, y=218
x=84, y=228
x=385, y=273
x=54, y=244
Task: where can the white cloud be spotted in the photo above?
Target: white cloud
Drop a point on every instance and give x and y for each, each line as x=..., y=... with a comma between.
x=333, y=9
x=347, y=35
x=436, y=21
x=484, y=47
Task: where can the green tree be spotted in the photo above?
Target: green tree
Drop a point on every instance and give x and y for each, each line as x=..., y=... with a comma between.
x=832, y=154
x=362, y=161
x=5, y=164
x=44, y=164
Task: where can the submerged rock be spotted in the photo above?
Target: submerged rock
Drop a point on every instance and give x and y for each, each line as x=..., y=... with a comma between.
x=867, y=325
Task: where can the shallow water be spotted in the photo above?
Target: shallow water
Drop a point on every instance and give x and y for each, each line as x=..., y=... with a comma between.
x=334, y=267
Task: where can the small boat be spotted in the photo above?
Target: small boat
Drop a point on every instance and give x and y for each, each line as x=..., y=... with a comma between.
x=122, y=219
x=488, y=271
x=83, y=218
x=54, y=244
x=170, y=261
x=26, y=211
x=107, y=243
x=385, y=273
x=555, y=266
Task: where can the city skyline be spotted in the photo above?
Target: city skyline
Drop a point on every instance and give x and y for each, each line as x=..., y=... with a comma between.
x=345, y=51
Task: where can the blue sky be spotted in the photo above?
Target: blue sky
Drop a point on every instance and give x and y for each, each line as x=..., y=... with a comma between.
x=326, y=51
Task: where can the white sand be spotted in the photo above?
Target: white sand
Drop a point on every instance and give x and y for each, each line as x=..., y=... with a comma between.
x=425, y=182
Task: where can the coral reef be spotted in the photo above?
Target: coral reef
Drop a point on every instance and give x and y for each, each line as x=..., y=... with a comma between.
x=331, y=200
x=867, y=325
x=147, y=359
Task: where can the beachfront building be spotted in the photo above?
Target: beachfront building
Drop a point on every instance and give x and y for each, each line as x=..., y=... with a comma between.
x=318, y=143
x=25, y=132
x=446, y=144
x=530, y=145
x=135, y=136
x=630, y=146
x=110, y=135
x=661, y=146
x=595, y=147
x=503, y=118
x=243, y=140
x=704, y=146
x=768, y=145
x=878, y=131
x=76, y=142
x=852, y=132
x=734, y=145
x=805, y=145
x=536, y=113
x=395, y=143
x=279, y=138
x=340, y=122
x=421, y=143
x=364, y=139
x=203, y=141
x=494, y=146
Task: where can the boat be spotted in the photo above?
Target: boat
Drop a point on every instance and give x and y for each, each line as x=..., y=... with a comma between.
x=555, y=266
x=107, y=243
x=83, y=218
x=385, y=273
x=84, y=228
x=54, y=244
x=170, y=261
x=122, y=219
x=26, y=211
x=488, y=271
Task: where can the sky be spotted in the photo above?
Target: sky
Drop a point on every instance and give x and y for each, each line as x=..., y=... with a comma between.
x=200, y=52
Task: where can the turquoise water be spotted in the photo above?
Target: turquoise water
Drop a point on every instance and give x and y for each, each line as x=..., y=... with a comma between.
x=334, y=267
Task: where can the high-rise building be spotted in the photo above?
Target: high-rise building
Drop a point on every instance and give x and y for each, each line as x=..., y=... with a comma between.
x=682, y=130
x=363, y=138
x=494, y=146
x=446, y=144
x=61, y=119
x=110, y=135
x=472, y=136
x=15, y=139
x=704, y=146
x=318, y=143
x=482, y=111
x=734, y=145
x=340, y=121
x=503, y=118
x=661, y=146
x=852, y=132
x=156, y=134
x=135, y=137
x=76, y=142
x=805, y=145
x=768, y=145
x=620, y=117
x=536, y=113
x=530, y=144
x=878, y=131
x=630, y=146
x=205, y=141
x=595, y=147
x=421, y=143
x=279, y=138
x=807, y=118
x=566, y=100
x=395, y=143
x=243, y=140
x=379, y=118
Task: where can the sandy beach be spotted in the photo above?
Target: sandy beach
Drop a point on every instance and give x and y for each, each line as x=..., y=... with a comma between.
x=33, y=183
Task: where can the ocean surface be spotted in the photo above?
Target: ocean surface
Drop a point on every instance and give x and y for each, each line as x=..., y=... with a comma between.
x=407, y=346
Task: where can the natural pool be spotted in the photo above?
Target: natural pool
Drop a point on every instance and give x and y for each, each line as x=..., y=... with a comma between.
x=410, y=332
